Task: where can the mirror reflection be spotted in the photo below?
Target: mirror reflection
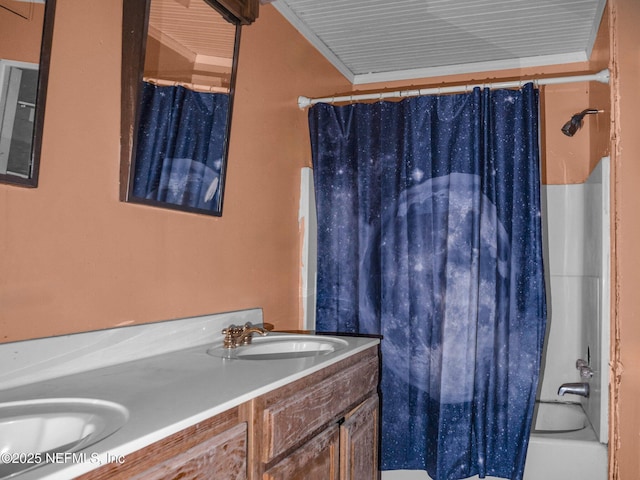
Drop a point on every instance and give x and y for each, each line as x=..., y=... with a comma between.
x=25, y=45
x=183, y=108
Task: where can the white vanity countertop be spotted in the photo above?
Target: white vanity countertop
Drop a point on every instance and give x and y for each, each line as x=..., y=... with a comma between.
x=167, y=393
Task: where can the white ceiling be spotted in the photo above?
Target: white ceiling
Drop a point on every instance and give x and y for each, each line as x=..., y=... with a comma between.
x=383, y=40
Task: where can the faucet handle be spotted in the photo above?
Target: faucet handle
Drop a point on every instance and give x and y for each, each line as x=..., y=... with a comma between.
x=232, y=330
x=585, y=372
x=580, y=363
x=583, y=367
x=230, y=333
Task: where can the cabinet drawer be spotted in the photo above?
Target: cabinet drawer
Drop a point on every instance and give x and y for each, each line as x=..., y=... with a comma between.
x=224, y=455
x=218, y=444
x=297, y=411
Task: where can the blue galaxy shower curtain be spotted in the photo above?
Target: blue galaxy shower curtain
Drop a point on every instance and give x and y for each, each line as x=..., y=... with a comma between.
x=180, y=147
x=429, y=233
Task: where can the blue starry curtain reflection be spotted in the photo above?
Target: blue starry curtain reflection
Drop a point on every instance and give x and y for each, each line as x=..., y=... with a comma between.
x=180, y=146
x=429, y=234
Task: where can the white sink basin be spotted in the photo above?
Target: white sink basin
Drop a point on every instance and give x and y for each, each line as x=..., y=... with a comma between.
x=41, y=428
x=279, y=347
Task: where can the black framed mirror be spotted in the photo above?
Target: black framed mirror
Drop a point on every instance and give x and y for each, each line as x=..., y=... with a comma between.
x=26, y=29
x=178, y=75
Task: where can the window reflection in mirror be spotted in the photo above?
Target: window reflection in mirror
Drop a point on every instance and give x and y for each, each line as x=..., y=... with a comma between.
x=25, y=45
x=178, y=146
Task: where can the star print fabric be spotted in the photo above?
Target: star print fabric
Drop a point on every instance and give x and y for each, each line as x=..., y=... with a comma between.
x=429, y=234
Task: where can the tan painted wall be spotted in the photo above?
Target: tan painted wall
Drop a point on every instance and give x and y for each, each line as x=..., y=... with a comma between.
x=21, y=36
x=625, y=442
x=74, y=258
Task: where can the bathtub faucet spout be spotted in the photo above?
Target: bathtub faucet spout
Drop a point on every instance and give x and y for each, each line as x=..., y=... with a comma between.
x=580, y=388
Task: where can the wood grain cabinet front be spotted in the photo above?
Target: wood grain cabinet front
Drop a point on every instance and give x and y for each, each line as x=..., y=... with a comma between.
x=221, y=456
x=359, y=442
x=318, y=458
x=326, y=422
x=345, y=450
x=213, y=449
x=322, y=426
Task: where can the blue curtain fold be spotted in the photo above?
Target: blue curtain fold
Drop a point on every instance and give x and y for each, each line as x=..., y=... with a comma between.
x=429, y=234
x=180, y=146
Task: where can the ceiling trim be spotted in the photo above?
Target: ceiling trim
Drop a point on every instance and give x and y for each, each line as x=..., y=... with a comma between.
x=461, y=68
x=294, y=20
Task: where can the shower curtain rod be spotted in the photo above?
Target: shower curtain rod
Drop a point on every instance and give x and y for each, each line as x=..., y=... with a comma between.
x=602, y=77
x=190, y=86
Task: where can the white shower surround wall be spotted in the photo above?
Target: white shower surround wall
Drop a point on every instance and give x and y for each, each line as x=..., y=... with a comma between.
x=578, y=231
x=576, y=224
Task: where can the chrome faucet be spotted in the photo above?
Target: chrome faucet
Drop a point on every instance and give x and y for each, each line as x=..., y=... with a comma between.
x=580, y=388
x=235, y=336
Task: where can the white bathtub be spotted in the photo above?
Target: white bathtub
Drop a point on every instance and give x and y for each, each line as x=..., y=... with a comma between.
x=562, y=446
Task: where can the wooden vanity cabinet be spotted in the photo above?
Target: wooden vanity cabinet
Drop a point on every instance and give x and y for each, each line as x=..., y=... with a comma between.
x=322, y=426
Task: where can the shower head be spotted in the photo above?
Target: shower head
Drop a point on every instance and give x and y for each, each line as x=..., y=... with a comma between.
x=573, y=125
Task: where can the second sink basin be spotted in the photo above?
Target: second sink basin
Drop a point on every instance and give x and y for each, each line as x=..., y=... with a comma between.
x=33, y=430
x=279, y=347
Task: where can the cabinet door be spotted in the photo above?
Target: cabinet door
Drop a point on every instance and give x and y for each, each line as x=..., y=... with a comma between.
x=316, y=459
x=359, y=442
